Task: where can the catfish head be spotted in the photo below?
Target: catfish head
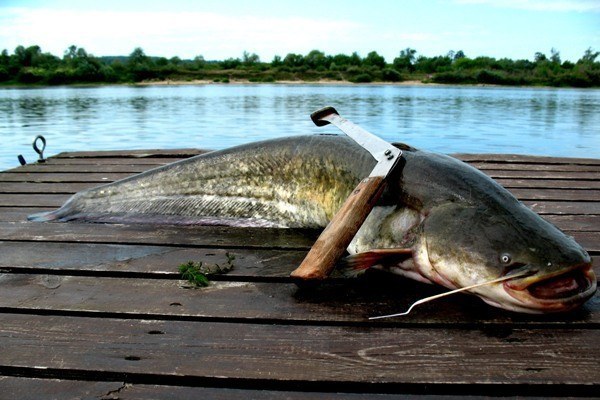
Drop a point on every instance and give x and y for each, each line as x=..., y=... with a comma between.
x=468, y=244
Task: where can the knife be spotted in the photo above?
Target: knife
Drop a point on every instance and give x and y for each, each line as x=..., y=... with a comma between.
x=338, y=234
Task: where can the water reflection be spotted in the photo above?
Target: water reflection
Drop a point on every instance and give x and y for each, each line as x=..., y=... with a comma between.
x=562, y=122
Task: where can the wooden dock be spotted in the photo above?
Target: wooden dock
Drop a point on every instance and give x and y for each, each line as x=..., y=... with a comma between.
x=100, y=311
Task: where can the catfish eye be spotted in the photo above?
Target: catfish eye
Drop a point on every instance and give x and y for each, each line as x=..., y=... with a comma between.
x=505, y=258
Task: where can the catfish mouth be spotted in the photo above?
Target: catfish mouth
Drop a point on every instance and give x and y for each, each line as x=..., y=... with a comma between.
x=555, y=292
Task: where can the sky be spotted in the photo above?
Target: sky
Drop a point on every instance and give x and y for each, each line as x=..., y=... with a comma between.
x=222, y=29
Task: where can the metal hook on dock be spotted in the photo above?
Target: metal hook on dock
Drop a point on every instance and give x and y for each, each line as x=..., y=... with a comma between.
x=41, y=159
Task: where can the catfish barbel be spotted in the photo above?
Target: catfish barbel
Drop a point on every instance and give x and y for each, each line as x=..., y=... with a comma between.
x=438, y=221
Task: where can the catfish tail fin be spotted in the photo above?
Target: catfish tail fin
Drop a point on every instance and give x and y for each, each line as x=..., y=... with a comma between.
x=65, y=213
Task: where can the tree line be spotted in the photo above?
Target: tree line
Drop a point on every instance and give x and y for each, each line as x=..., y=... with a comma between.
x=30, y=65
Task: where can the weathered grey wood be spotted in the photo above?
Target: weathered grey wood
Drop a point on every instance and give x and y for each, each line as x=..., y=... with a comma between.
x=59, y=389
x=502, y=158
x=197, y=236
x=536, y=167
x=343, y=302
x=282, y=335
x=290, y=353
x=150, y=162
x=527, y=159
x=33, y=200
x=18, y=214
x=556, y=194
x=549, y=183
x=49, y=389
x=144, y=153
x=590, y=223
x=529, y=174
x=44, y=188
x=543, y=207
x=133, y=167
x=84, y=168
x=49, y=177
x=116, y=260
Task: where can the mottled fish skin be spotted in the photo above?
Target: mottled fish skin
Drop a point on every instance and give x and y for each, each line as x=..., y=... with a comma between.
x=450, y=223
x=289, y=182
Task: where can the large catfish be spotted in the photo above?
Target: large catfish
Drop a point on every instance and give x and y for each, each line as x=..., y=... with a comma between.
x=439, y=219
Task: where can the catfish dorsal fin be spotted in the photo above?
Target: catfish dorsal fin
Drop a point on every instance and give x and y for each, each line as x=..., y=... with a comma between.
x=360, y=262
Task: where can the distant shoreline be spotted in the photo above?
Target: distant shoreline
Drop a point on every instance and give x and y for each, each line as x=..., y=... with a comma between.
x=324, y=82
x=234, y=81
x=170, y=82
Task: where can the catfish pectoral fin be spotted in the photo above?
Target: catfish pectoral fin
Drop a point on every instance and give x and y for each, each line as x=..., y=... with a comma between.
x=355, y=264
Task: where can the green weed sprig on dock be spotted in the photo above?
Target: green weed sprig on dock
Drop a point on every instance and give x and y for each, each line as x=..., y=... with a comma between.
x=197, y=273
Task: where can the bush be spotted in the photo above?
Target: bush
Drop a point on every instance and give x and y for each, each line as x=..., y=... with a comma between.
x=4, y=75
x=453, y=77
x=362, y=78
x=491, y=77
x=31, y=75
x=391, y=75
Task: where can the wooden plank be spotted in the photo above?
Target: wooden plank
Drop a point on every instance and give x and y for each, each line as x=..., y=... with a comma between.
x=191, y=236
x=349, y=302
x=536, y=167
x=117, y=260
x=528, y=174
x=527, y=159
x=50, y=177
x=150, y=162
x=48, y=389
x=143, y=153
x=37, y=388
x=556, y=194
x=269, y=354
x=133, y=167
x=543, y=207
x=588, y=223
x=18, y=214
x=549, y=183
x=33, y=200
x=44, y=188
x=496, y=158
x=83, y=168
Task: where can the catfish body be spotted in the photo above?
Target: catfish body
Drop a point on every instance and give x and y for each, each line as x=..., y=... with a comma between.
x=439, y=220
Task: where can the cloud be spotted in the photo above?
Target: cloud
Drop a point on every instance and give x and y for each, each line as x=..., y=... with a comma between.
x=541, y=5
x=185, y=34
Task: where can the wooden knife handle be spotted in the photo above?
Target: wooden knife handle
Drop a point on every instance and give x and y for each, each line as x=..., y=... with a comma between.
x=338, y=234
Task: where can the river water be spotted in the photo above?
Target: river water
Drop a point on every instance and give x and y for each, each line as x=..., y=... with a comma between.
x=539, y=121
